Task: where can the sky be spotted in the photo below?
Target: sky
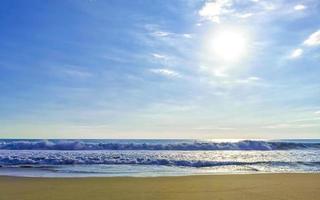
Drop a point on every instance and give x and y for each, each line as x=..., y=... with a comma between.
x=160, y=69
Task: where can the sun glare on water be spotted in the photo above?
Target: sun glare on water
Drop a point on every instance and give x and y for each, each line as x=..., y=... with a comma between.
x=228, y=45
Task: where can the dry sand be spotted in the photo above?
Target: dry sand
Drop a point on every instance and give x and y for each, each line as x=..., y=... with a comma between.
x=255, y=187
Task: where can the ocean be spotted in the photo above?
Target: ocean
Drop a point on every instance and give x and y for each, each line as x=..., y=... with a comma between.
x=103, y=158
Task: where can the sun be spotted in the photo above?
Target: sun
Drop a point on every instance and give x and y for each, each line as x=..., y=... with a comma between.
x=229, y=45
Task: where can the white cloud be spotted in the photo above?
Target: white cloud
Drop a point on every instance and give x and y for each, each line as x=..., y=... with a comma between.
x=158, y=56
x=254, y=78
x=317, y=112
x=230, y=82
x=245, y=15
x=157, y=32
x=213, y=10
x=187, y=35
x=276, y=126
x=268, y=5
x=217, y=72
x=251, y=79
x=313, y=39
x=287, y=125
x=296, y=53
x=160, y=34
x=299, y=7
x=220, y=73
x=166, y=72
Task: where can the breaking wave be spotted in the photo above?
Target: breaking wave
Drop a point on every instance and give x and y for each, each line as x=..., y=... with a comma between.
x=178, y=146
x=30, y=159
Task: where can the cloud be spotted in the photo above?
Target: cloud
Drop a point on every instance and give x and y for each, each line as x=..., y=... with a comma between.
x=268, y=6
x=213, y=10
x=231, y=82
x=285, y=126
x=245, y=15
x=161, y=34
x=217, y=72
x=251, y=79
x=166, y=34
x=216, y=10
x=313, y=39
x=187, y=35
x=317, y=112
x=70, y=71
x=166, y=72
x=299, y=7
x=254, y=78
x=159, y=56
x=156, y=31
x=296, y=53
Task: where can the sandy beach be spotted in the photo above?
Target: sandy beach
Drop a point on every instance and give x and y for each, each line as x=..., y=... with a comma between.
x=257, y=187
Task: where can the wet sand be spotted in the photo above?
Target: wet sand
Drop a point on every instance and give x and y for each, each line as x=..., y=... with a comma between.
x=240, y=187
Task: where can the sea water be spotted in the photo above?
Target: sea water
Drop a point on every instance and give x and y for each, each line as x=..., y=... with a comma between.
x=83, y=158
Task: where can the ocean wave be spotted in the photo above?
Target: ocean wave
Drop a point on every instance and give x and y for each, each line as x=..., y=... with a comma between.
x=198, y=159
x=48, y=163
x=190, y=146
x=179, y=146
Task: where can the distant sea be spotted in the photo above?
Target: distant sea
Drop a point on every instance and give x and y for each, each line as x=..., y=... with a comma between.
x=91, y=158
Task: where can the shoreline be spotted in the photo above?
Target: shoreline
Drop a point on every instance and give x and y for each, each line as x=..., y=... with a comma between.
x=232, y=186
x=161, y=176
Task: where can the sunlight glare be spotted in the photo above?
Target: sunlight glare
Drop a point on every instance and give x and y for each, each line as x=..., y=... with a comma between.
x=229, y=45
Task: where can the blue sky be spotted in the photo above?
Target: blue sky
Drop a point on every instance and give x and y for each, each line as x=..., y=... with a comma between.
x=160, y=69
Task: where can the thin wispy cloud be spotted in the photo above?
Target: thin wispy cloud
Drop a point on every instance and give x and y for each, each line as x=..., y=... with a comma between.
x=290, y=126
x=215, y=9
x=313, y=39
x=296, y=53
x=70, y=71
x=299, y=7
x=252, y=62
x=267, y=5
x=166, y=72
x=157, y=31
x=159, y=56
x=245, y=15
x=253, y=78
x=239, y=81
x=187, y=35
x=161, y=34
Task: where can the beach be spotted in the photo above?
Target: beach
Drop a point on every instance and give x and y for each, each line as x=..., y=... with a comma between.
x=240, y=186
